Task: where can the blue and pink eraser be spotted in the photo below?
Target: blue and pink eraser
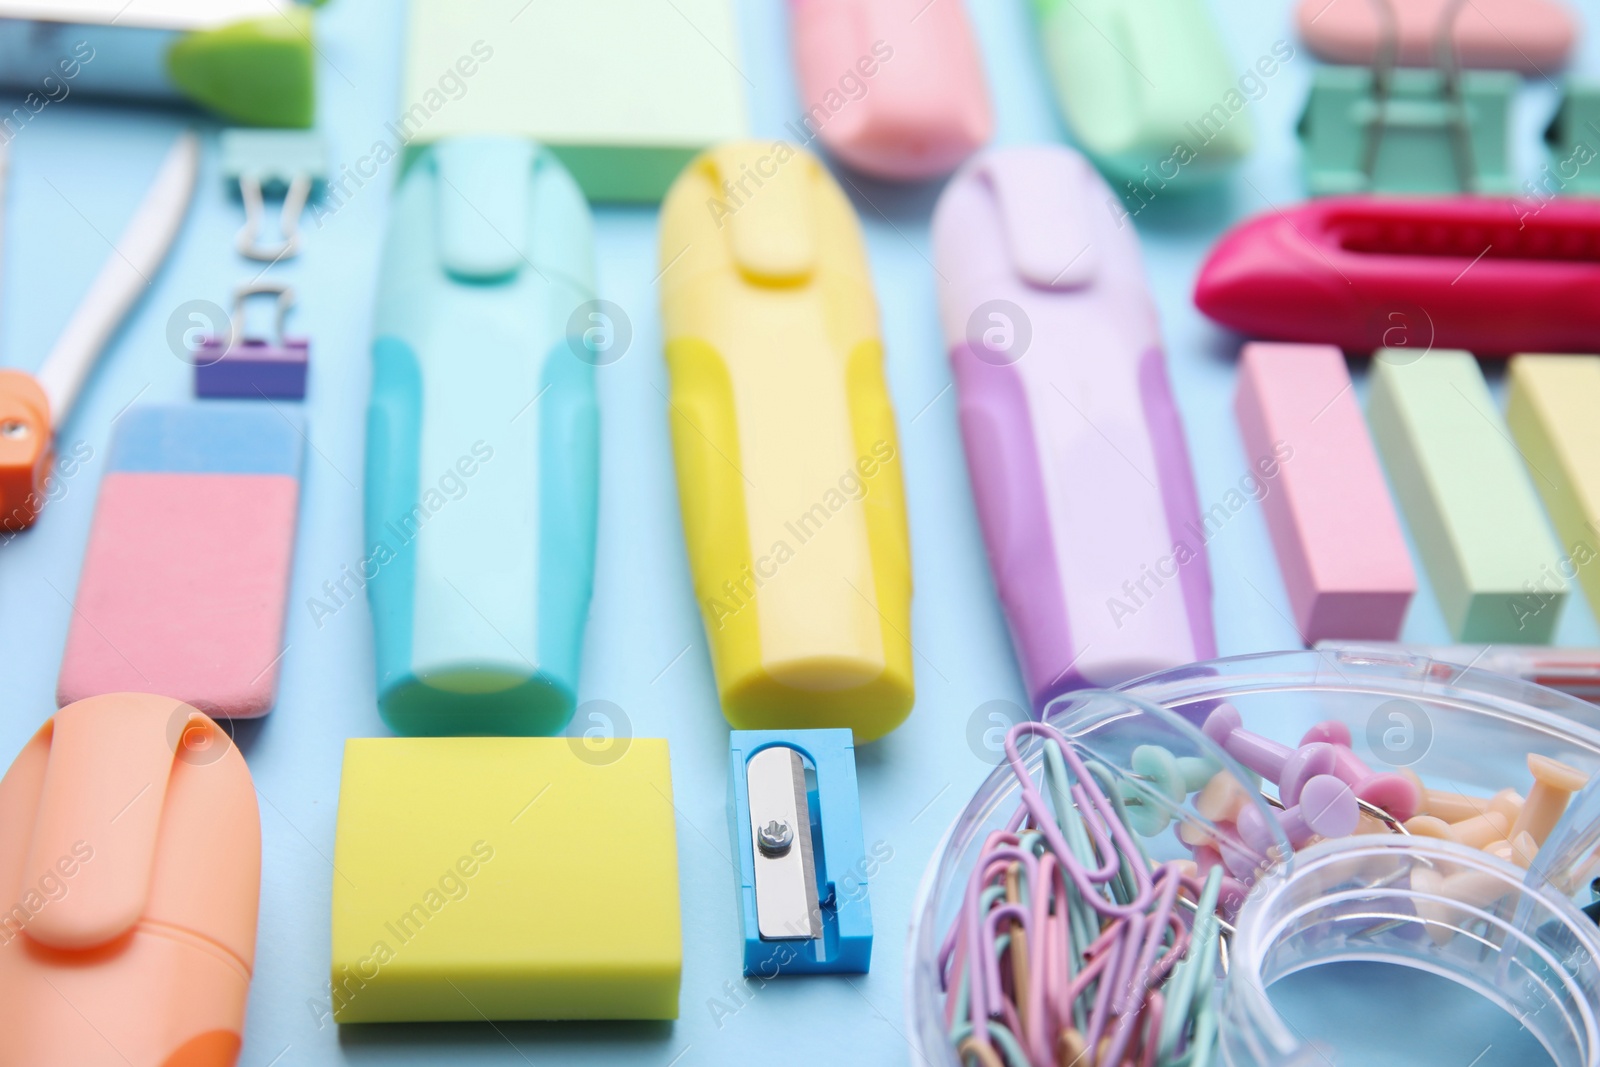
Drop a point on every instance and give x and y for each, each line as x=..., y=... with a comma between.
x=185, y=580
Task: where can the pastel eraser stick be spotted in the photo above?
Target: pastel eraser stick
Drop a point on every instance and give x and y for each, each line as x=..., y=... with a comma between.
x=483, y=442
x=893, y=88
x=1078, y=462
x=185, y=579
x=1474, y=515
x=1333, y=523
x=1552, y=412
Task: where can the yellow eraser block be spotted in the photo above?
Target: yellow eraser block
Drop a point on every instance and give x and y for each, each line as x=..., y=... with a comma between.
x=505, y=878
x=1552, y=414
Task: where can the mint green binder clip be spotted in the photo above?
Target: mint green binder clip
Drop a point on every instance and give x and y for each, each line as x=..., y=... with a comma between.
x=1574, y=139
x=292, y=164
x=1386, y=129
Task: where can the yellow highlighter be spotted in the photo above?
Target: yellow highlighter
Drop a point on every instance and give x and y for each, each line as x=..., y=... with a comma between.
x=788, y=464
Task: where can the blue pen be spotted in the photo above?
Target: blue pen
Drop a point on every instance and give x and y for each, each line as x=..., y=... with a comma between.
x=482, y=443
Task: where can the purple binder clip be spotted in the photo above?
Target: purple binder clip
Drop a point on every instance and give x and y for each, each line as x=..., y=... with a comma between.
x=242, y=366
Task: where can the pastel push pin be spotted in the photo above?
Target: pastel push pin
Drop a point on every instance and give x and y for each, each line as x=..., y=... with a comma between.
x=1508, y=802
x=1392, y=792
x=1476, y=832
x=1327, y=808
x=1289, y=768
x=1451, y=807
x=240, y=365
x=1221, y=799
x=1160, y=775
x=1554, y=783
x=1520, y=851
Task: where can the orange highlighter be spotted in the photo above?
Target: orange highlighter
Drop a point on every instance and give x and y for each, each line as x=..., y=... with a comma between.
x=33, y=407
x=788, y=462
x=130, y=856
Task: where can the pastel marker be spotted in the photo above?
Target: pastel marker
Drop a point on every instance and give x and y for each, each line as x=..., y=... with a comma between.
x=1552, y=412
x=1077, y=457
x=482, y=474
x=784, y=437
x=1488, y=550
x=1333, y=523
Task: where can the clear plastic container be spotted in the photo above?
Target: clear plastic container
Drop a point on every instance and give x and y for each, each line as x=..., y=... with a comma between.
x=1426, y=905
x=1460, y=729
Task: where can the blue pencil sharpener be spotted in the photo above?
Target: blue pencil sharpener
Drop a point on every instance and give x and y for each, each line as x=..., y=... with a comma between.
x=802, y=868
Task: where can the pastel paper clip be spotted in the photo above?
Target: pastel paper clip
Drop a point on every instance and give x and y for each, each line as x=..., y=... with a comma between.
x=1492, y=276
x=1071, y=938
x=130, y=836
x=1531, y=36
x=783, y=433
x=1077, y=456
x=483, y=442
x=804, y=871
x=1134, y=126
x=244, y=365
x=893, y=88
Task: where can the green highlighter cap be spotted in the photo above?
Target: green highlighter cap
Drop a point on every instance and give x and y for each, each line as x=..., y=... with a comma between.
x=258, y=72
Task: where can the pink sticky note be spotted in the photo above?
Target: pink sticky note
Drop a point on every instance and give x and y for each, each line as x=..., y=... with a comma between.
x=1333, y=523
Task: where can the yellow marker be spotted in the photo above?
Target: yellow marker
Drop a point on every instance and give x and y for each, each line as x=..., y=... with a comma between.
x=788, y=463
x=1551, y=413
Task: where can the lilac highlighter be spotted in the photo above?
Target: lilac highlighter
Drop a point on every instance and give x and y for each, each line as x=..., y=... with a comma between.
x=1078, y=462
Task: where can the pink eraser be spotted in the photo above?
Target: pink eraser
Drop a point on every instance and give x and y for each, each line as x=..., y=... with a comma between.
x=1333, y=523
x=185, y=580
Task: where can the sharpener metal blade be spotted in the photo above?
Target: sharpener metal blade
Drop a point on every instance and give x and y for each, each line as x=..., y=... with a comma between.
x=780, y=836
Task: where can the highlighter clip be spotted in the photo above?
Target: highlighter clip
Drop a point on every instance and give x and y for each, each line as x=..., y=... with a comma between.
x=292, y=164
x=1388, y=129
x=239, y=365
x=796, y=822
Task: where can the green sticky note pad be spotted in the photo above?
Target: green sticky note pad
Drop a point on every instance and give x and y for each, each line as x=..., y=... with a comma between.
x=1488, y=550
x=624, y=93
x=505, y=878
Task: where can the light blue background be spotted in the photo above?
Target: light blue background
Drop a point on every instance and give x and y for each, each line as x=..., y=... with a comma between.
x=78, y=170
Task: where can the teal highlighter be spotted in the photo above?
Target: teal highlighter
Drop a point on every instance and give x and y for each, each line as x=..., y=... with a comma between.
x=482, y=443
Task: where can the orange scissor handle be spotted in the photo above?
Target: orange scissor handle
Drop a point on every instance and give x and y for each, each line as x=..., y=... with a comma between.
x=25, y=449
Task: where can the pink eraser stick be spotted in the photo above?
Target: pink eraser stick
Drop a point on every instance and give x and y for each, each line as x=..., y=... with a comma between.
x=893, y=88
x=1327, y=505
x=186, y=577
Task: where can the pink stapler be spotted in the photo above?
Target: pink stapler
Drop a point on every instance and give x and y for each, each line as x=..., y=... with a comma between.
x=1493, y=276
x=893, y=88
x=1077, y=456
x=1533, y=36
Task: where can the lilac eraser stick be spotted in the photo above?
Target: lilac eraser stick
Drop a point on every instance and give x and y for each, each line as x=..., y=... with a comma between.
x=1077, y=456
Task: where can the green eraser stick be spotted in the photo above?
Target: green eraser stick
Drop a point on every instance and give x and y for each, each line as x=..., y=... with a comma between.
x=624, y=93
x=1486, y=546
x=250, y=61
x=1551, y=413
